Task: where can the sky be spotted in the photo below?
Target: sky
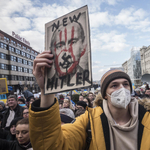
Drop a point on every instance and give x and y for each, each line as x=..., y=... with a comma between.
x=116, y=26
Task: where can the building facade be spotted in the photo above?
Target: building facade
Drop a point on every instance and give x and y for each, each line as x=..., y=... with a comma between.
x=145, y=59
x=133, y=66
x=16, y=62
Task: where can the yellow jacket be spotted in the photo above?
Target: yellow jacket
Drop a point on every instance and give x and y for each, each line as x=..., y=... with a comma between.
x=46, y=132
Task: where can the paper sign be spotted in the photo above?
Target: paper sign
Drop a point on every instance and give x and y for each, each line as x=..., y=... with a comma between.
x=68, y=38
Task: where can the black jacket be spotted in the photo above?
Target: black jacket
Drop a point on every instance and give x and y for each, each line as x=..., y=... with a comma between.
x=18, y=113
x=6, y=135
x=14, y=145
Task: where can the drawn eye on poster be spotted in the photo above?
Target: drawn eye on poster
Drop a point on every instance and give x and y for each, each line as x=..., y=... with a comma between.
x=68, y=38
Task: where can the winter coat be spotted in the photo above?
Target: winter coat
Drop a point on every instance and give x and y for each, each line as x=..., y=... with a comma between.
x=18, y=113
x=46, y=132
x=8, y=145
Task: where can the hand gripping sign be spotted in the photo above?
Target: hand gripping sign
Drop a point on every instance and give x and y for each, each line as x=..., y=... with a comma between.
x=68, y=38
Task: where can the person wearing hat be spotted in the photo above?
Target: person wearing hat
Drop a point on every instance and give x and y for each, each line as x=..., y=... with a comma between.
x=66, y=115
x=120, y=123
x=2, y=107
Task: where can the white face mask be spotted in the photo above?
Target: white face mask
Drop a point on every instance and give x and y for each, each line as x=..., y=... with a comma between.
x=120, y=98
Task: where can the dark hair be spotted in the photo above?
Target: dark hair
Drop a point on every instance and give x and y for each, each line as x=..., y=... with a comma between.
x=90, y=104
x=12, y=96
x=23, y=121
x=79, y=112
x=21, y=100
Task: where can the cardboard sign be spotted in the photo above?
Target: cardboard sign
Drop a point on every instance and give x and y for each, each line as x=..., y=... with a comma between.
x=68, y=38
x=3, y=86
x=3, y=98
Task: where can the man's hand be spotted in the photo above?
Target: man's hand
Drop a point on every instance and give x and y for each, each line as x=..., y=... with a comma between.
x=43, y=60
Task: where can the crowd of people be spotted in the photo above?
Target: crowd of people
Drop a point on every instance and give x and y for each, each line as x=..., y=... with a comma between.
x=107, y=119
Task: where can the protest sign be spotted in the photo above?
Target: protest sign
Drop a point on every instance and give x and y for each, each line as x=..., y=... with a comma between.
x=3, y=86
x=68, y=38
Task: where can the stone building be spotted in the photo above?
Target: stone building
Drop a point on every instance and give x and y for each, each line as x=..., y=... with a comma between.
x=16, y=61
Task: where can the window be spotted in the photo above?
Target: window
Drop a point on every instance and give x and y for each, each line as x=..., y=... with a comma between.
x=30, y=70
x=19, y=45
x=18, y=51
x=13, y=58
x=24, y=47
x=4, y=46
x=32, y=57
x=25, y=70
x=12, y=49
x=2, y=55
x=4, y=66
x=27, y=55
x=6, y=39
x=28, y=49
x=36, y=53
x=13, y=68
x=19, y=60
x=29, y=63
x=13, y=42
x=32, y=52
x=25, y=62
x=23, y=53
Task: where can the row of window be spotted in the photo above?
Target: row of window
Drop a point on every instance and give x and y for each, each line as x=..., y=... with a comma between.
x=17, y=78
x=16, y=59
x=19, y=45
x=17, y=51
x=15, y=68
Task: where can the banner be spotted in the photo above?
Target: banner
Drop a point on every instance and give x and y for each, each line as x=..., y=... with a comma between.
x=68, y=38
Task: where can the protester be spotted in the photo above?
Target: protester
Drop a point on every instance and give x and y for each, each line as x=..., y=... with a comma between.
x=67, y=104
x=22, y=136
x=98, y=100
x=80, y=98
x=66, y=115
x=81, y=105
x=14, y=111
x=11, y=134
x=21, y=101
x=88, y=102
x=119, y=124
x=90, y=96
x=2, y=107
x=79, y=112
x=32, y=99
x=26, y=113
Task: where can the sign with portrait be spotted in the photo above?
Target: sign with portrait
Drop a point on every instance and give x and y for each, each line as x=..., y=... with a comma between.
x=3, y=86
x=68, y=38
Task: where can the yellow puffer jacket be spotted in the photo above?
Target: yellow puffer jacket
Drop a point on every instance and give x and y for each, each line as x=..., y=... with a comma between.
x=46, y=132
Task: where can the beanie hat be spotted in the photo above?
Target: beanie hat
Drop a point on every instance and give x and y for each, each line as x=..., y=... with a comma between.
x=110, y=76
x=2, y=103
x=14, y=121
x=67, y=115
x=82, y=103
x=21, y=100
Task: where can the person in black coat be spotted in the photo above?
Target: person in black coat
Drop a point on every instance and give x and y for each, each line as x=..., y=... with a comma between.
x=14, y=111
x=22, y=136
x=11, y=134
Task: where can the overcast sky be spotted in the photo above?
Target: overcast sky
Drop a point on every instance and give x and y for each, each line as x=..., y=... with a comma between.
x=115, y=25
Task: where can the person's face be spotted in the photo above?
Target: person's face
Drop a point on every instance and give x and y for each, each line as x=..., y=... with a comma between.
x=91, y=97
x=80, y=98
x=1, y=107
x=12, y=102
x=79, y=107
x=26, y=113
x=22, y=133
x=116, y=85
x=65, y=104
x=13, y=129
x=67, y=48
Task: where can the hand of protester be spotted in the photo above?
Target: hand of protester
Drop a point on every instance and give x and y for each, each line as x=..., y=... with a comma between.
x=41, y=61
